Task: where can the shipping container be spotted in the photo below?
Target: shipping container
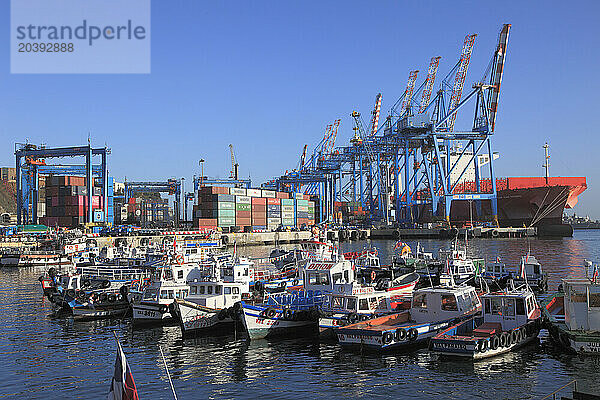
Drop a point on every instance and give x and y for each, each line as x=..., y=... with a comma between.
x=274, y=202
x=268, y=194
x=282, y=195
x=237, y=191
x=243, y=207
x=253, y=192
x=242, y=200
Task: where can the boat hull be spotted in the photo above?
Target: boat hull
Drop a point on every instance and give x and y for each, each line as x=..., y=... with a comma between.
x=260, y=326
x=196, y=321
x=150, y=314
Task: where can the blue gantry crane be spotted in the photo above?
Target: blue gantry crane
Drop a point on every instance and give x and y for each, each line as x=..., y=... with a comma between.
x=30, y=163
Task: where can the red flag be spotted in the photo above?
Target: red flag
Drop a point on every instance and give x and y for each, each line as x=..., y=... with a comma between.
x=122, y=386
x=595, y=276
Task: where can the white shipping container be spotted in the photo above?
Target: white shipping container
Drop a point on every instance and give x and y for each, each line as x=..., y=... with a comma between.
x=302, y=208
x=287, y=215
x=237, y=191
x=243, y=200
x=287, y=208
x=270, y=194
x=275, y=221
x=253, y=192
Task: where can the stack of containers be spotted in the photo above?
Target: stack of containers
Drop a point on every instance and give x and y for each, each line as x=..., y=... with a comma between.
x=67, y=201
x=216, y=207
x=273, y=213
x=110, y=206
x=311, y=212
x=243, y=212
x=259, y=213
x=301, y=210
x=287, y=212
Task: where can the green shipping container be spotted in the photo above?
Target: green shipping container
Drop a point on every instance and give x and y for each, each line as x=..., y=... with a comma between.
x=224, y=213
x=226, y=221
x=225, y=205
x=243, y=207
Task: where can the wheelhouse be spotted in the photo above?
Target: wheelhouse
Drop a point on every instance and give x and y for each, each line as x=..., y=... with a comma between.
x=510, y=310
x=440, y=303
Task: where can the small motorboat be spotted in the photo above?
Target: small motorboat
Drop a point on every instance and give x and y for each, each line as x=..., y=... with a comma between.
x=510, y=319
x=432, y=310
x=573, y=314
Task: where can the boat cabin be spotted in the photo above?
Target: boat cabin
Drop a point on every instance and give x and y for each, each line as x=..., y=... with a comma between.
x=510, y=310
x=443, y=303
x=217, y=294
x=582, y=304
x=316, y=250
x=349, y=298
x=321, y=276
x=368, y=259
x=533, y=268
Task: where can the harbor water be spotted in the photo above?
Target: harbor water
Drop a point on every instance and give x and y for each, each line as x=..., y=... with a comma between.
x=44, y=358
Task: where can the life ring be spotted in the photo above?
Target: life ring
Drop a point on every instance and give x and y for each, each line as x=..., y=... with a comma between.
x=81, y=295
x=296, y=282
x=388, y=337
x=258, y=286
x=282, y=284
x=373, y=276
x=401, y=334
x=412, y=334
x=163, y=308
x=179, y=259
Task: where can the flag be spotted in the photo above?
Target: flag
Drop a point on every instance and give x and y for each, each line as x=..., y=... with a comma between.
x=122, y=386
x=447, y=266
x=498, y=259
x=595, y=276
x=399, y=244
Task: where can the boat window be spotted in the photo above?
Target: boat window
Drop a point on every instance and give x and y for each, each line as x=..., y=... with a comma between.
x=594, y=299
x=449, y=302
x=209, y=290
x=374, y=263
x=163, y=294
x=312, y=279
x=75, y=282
x=420, y=301
x=170, y=294
x=338, y=302
x=218, y=290
x=180, y=274
x=185, y=293
x=337, y=277
x=346, y=276
x=488, y=309
x=227, y=290
x=351, y=304
x=578, y=295
x=236, y=290
x=509, y=307
x=520, y=307
x=382, y=304
x=168, y=274
x=496, y=306
x=202, y=290
x=373, y=303
x=150, y=294
x=363, y=305
x=462, y=270
x=536, y=269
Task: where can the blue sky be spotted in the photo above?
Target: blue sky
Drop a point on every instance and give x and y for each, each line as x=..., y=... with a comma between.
x=269, y=76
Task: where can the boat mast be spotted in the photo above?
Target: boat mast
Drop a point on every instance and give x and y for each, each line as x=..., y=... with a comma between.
x=546, y=161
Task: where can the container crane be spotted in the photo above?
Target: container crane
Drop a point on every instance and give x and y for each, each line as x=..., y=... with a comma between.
x=496, y=75
x=459, y=78
x=429, y=82
x=410, y=88
x=375, y=116
x=234, y=165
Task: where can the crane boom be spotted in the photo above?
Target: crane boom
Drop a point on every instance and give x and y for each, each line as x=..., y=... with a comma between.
x=375, y=117
x=234, y=164
x=408, y=94
x=429, y=82
x=496, y=75
x=303, y=158
x=459, y=78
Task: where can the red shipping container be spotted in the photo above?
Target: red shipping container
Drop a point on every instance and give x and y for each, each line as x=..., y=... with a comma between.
x=259, y=200
x=274, y=202
x=207, y=222
x=259, y=208
x=242, y=214
x=132, y=200
x=54, y=201
x=282, y=195
x=242, y=221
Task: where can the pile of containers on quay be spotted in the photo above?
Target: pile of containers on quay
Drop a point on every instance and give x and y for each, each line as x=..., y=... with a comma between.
x=252, y=209
x=66, y=202
x=149, y=210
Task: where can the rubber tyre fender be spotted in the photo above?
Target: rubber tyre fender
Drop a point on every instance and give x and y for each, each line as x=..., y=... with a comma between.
x=102, y=297
x=70, y=293
x=365, y=317
x=514, y=336
x=388, y=337
x=505, y=340
x=412, y=334
x=163, y=308
x=86, y=283
x=287, y=314
x=258, y=286
x=352, y=317
x=270, y=312
x=494, y=342
x=171, y=308
x=481, y=345
x=105, y=284
x=295, y=282
x=401, y=334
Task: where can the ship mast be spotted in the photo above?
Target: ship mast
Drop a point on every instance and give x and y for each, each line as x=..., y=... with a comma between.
x=546, y=164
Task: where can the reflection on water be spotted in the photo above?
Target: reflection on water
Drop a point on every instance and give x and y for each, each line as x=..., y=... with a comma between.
x=47, y=358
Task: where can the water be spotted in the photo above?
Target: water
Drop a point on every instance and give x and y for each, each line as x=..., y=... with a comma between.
x=44, y=358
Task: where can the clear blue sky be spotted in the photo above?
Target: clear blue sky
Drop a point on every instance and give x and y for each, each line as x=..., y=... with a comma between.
x=268, y=76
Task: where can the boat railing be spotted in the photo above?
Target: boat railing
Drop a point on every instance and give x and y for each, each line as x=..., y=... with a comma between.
x=553, y=394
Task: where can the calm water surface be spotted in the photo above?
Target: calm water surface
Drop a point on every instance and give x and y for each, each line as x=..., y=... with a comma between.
x=44, y=358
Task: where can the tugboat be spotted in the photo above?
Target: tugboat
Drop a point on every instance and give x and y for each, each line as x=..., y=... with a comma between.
x=432, y=310
x=459, y=268
x=536, y=278
x=511, y=319
x=213, y=301
x=573, y=315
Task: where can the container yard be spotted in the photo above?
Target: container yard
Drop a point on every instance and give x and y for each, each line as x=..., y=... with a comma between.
x=292, y=200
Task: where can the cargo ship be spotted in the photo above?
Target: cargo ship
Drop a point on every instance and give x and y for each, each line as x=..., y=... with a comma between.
x=522, y=201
